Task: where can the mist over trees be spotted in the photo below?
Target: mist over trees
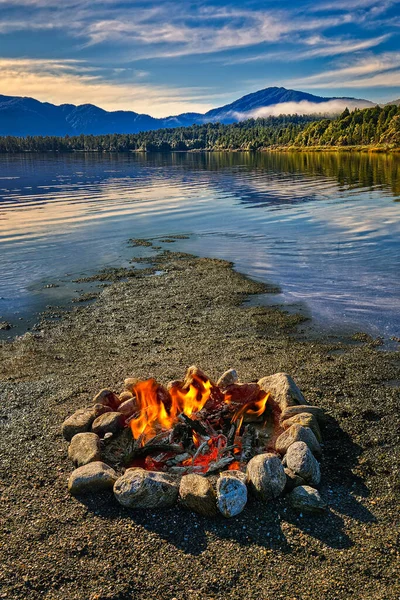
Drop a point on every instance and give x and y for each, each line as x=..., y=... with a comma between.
x=378, y=126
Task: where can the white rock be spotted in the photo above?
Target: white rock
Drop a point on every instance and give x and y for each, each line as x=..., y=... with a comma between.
x=231, y=496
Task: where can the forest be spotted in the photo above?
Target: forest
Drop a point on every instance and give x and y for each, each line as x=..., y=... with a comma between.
x=377, y=127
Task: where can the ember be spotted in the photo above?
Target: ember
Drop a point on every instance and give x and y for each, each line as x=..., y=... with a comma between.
x=196, y=427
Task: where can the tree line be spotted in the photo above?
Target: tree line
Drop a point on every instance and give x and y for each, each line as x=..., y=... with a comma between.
x=371, y=126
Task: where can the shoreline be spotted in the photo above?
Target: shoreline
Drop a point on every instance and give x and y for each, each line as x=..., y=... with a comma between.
x=301, y=149
x=156, y=326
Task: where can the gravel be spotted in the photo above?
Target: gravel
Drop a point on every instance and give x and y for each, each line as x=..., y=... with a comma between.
x=55, y=546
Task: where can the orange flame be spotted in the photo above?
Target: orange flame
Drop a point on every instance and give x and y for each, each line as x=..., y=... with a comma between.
x=234, y=466
x=153, y=414
x=255, y=409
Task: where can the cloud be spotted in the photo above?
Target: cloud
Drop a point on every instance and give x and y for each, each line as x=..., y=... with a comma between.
x=167, y=29
x=380, y=71
x=300, y=108
x=320, y=46
x=73, y=82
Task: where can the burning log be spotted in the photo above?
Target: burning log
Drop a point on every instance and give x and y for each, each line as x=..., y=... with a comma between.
x=248, y=438
x=194, y=425
x=183, y=433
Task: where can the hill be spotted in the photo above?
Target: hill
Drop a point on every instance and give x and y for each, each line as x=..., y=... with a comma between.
x=26, y=116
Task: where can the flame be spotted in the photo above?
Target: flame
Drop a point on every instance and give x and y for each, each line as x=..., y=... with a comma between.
x=234, y=466
x=254, y=409
x=154, y=415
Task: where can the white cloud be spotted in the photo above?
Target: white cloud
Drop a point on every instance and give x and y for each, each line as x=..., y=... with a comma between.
x=320, y=46
x=380, y=71
x=300, y=108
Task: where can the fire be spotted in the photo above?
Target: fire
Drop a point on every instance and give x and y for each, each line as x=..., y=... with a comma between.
x=160, y=411
x=254, y=409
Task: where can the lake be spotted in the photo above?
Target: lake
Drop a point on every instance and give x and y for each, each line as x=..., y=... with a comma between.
x=323, y=226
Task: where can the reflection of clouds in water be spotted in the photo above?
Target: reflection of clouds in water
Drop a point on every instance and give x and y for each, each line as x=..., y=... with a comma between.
x=326, y=245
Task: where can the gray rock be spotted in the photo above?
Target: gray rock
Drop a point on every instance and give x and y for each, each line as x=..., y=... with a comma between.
x=82, y=420
x=93, y=477
x=197, y=494
x=138, y=488
x=292, y=480
x=128, y=407
x=110, y=422
x=234, y=473
x=108, y=398
x=291, y=411
x=231, y=495
x=297, y=433
x=84, y=448
x=307, y=499
x=283, y=390
x=4, y=326
x=305, y=419
x=266, y=476
x=301, y=461
x=227, y=378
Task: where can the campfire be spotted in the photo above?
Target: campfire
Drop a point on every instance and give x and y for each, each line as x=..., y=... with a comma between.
x=198, y=439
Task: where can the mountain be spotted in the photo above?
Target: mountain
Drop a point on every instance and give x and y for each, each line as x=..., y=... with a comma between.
x=26, y=116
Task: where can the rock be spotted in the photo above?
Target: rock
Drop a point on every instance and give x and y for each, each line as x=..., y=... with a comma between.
x=108, y=398
x=82, y=420
x=306, y=420
x=292, y=480
x=197, y=494
x=235, y=473
x=125, y=396
x=138, y=488
x=283, y=390
x=307, y=499
x=109, y=422
x=130, y=383
x=291, y=411
x=4, y=326
x=296, y=433
x=128, y=408
x=266, y=476
x=84, y=448
x=231, y=495
x=93, y=477
x=228, y=378
x=301, y=461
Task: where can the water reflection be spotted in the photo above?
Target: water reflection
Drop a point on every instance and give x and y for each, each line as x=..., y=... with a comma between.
x=322, y=225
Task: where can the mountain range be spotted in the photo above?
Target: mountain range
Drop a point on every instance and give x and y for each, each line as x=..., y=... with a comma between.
x=20, y=116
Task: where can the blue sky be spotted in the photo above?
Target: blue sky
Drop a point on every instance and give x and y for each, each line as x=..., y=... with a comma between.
x=166, y=57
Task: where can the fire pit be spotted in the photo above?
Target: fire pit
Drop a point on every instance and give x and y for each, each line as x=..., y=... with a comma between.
x=203, y=442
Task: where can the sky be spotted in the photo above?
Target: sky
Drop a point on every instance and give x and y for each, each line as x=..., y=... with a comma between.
x=164, y=58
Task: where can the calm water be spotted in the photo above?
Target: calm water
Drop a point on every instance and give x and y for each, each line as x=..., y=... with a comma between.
x=325, y=227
